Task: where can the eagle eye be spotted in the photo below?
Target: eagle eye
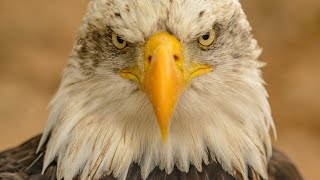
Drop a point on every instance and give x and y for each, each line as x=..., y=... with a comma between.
x=118, y=42
x=207, y=39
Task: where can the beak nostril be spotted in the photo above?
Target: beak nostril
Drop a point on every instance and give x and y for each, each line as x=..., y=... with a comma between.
x=176, y=58
x=149, y=59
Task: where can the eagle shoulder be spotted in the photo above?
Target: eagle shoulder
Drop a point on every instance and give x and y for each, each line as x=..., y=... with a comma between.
x=22, y=162
x=282, y=168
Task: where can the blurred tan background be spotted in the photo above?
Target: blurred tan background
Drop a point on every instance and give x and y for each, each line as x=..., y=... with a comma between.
x=36, y=37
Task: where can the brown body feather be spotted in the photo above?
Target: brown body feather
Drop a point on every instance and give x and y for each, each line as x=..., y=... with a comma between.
x=22, y=163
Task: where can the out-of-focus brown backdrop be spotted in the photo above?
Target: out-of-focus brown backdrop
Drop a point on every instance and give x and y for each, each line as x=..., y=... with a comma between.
x=36, y=37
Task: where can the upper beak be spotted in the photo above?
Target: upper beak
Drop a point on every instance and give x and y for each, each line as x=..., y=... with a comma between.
x=164, y=76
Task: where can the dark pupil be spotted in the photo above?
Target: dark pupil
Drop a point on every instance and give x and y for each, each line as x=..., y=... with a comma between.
x=206, y=37
x=120, y=41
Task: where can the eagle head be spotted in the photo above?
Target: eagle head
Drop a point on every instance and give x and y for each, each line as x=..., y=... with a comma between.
x=162, y=84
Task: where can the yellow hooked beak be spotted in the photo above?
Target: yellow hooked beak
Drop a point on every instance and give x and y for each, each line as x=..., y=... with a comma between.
x=164, y=76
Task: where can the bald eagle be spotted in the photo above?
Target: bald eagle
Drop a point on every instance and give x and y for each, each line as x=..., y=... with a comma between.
x=158, y=89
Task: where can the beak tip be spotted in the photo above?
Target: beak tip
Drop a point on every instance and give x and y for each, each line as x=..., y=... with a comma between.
x=164, y=136
x=164, y=126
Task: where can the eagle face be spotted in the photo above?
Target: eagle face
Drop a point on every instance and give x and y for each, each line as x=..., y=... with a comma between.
x=160, y=83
